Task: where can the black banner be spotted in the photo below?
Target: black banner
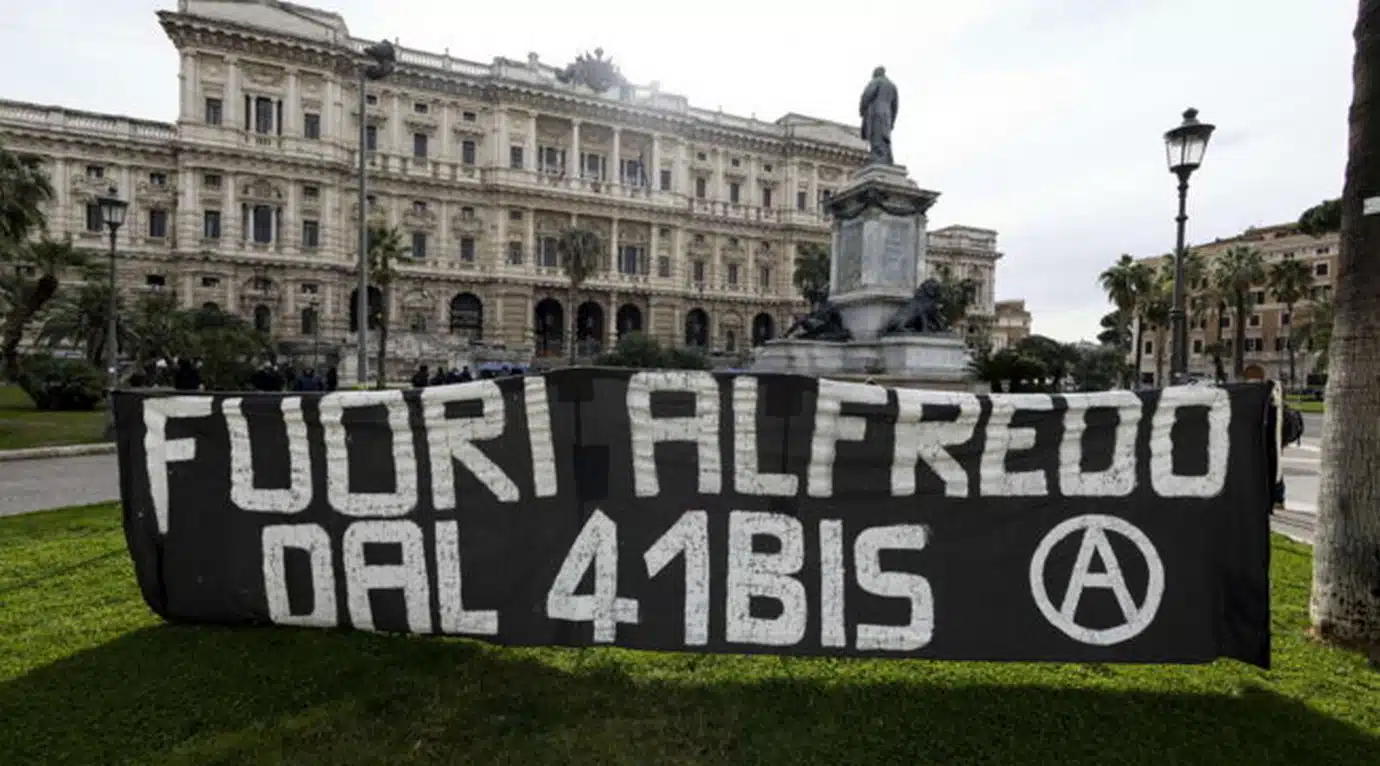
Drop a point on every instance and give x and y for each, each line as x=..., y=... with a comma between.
x=678, y=510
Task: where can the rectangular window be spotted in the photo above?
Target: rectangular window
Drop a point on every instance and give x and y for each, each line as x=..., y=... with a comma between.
x=210, y=282
x=468, y=116
x=547, y=256
x=94, y=220
x=663, y=267
x=697, y=271
x=420, y=108
x=1320, y=269
x=95, y=172
x=156, y=280
x=1284, y=319
x=733, y=275
x=419, y=145
x=467, y=152
x=213, y=111
x=311, y=192
x=1198, y=346
x=766, y=196
x=467, y=249
x=419, y=245
x=764, y=277
x=371, y=100
x=733, y=192
x=514, y=253
x=158, y=179
x=262, y=222
x=311, y=234
x=701, y=187
x=210, y=224
x=515, y=215
x=628, y=257
x=1259, y=296
x=158, y=224
x=551, y=159
x=211, y=181
x=1279, y=342
x=371, y=138
x=515, y=157
x=665, y=180
x=1255, y=320
x=311, y=125
x=1149, y=346
x=800, y=198
x=263, y=115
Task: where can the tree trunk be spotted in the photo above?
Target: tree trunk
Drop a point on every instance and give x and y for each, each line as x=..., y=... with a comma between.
x=574, y=323
x=383, y=340
x=1238, y=343
x=1159, y=356
x=1289, y=349
x=1140, y=345
x=25, y=307
x=1345, y=604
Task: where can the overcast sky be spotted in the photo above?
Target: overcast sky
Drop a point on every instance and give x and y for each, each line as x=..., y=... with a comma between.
x=1041, y=119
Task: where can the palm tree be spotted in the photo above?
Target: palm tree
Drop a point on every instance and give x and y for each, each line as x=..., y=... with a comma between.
x=1235, y=274
x=581, y=255
x=77, y=319
x=1317, y=332
x=1158, y=300
x=1345, y=603
x=1290, y=280
x=24, y=189
x=811, y=276
x=30, y=284
x=385, y=248
x=1125, y=283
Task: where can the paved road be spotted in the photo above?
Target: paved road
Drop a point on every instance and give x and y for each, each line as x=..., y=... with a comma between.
x=39, y=485
x=1301, y=466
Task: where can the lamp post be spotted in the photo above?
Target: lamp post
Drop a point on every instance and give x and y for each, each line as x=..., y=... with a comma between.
x=1184, y=147
x=384, y=59
x=113, y=211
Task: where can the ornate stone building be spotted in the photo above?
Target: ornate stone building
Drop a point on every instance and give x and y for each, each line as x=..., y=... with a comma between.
x=249, y=200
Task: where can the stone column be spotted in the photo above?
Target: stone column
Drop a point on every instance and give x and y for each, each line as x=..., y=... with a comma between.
x=232, y=106
x=654, y=172
x=616, y=155
x=501, y=238
x=720, y=192
x=677, y=255
x=292, y=107
x=572, y=156
x=530, y=160
x=531, y=234
x=754, y=197
x=499, y=136
x=189, y=86
x=613, y=246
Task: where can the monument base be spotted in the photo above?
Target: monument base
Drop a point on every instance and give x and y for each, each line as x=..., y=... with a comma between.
x=930, y=360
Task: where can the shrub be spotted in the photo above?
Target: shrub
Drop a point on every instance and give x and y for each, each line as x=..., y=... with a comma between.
x=62, y=384
x=642, y=352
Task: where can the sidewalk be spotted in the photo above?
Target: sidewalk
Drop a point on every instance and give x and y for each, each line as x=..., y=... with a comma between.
x=69, y=450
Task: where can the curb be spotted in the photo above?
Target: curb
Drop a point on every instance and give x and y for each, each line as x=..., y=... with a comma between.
x=71, y=450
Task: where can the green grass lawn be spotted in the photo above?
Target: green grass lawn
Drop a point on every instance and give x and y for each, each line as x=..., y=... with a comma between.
x=1305, y=406
x=89, y=675
x=22, y=426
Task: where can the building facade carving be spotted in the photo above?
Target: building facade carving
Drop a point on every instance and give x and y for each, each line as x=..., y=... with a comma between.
x=249, y=199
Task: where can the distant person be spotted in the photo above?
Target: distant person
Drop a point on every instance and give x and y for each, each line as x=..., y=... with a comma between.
x=439, y=378
x=421, y=377
x=186, y=378
x=464, y=376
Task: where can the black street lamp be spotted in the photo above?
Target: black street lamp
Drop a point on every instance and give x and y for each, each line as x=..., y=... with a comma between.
x=113, y=211
x=1184, y=147
x=384, y=59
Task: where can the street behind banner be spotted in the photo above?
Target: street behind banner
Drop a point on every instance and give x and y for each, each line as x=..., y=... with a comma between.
x=691, y=511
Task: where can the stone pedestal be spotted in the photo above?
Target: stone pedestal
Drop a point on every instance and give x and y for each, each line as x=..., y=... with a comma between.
x=877, y=263
x=879, y=246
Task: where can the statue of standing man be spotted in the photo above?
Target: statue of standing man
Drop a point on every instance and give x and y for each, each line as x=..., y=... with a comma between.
x=878, y=111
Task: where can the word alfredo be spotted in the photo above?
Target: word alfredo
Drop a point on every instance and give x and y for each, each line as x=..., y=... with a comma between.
x=455, y=440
